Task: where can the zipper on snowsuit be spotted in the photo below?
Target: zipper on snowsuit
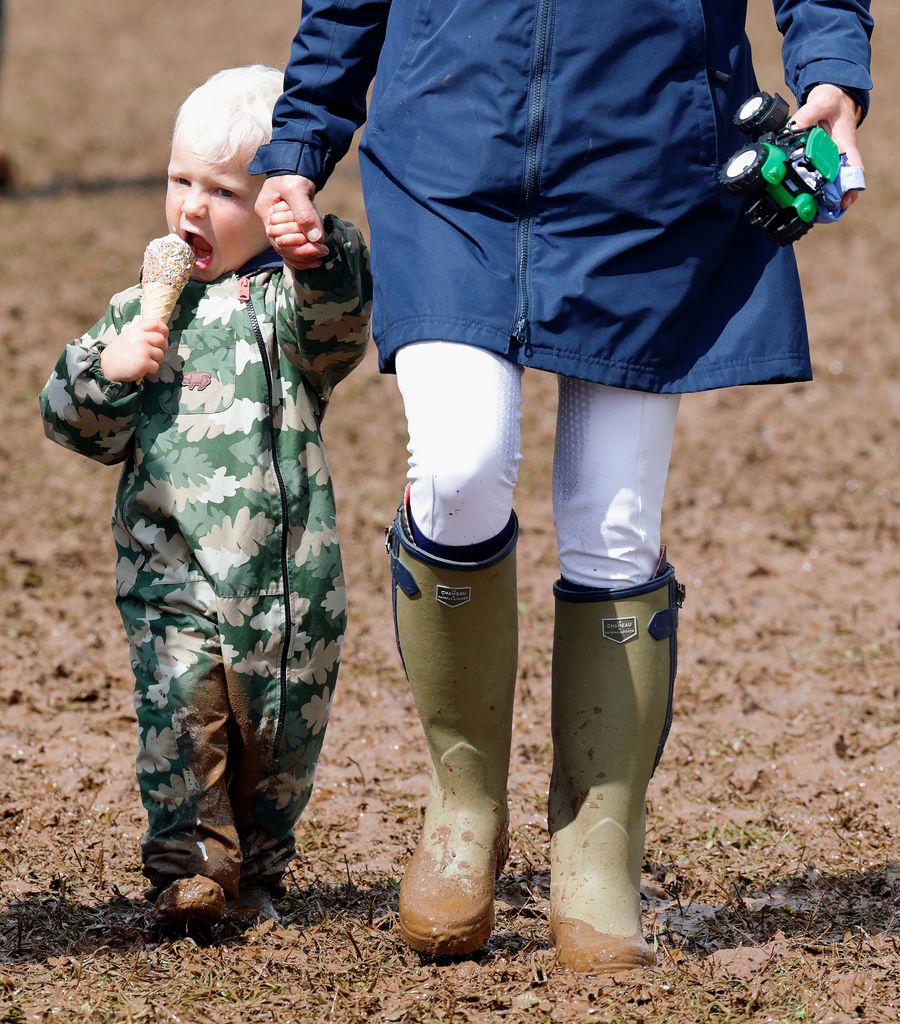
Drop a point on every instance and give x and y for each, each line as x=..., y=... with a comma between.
x=244, y=297
x=534, y=127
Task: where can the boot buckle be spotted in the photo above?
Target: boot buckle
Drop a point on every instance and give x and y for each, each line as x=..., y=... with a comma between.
x=680, y=591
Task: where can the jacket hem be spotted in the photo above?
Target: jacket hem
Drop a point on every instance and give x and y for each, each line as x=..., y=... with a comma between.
x=439, y=328
x=784, y=368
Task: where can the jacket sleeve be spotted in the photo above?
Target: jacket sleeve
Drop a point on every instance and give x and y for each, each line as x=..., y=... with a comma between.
x=81, y=409
x=826, y=41
x=332, y=62
x=322, y=324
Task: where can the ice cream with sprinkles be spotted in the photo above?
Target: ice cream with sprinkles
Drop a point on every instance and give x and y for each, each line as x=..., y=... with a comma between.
x=168, y=262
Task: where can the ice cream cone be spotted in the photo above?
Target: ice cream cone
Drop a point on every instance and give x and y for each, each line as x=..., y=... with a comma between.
x=158, y=299
x=167, y=269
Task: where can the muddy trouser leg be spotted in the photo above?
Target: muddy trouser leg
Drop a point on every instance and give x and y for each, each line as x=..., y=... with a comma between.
x=183, y=730
x=279, y=708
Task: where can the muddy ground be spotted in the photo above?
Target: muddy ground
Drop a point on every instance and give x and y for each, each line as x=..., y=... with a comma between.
x=771, y=874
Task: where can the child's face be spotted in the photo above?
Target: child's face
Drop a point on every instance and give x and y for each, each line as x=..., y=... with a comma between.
x=211, y=207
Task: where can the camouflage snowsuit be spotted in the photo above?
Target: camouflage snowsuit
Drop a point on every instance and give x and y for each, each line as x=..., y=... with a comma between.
x=233, y=684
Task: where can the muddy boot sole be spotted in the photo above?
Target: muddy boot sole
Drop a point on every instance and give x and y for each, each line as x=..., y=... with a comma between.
x=581, y=949
x=440, y=918
x=448, y=935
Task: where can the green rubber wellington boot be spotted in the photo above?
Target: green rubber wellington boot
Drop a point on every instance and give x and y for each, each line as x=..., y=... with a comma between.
x=457, y=634
x=614, y=659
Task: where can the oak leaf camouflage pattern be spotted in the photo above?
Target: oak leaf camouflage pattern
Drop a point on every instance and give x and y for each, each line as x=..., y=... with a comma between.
x=233, y=682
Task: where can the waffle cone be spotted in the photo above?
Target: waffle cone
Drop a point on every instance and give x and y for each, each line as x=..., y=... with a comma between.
x=158, y=299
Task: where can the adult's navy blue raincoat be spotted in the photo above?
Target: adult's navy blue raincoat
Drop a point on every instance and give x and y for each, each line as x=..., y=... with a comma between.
x=540, y=176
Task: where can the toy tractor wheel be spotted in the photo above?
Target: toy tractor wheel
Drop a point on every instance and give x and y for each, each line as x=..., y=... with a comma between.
x=762, y=112
x=791, y=230
x=743, y=172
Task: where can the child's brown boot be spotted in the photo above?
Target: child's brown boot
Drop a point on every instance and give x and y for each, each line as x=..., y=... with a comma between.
x=197, y=901
x=253, y=906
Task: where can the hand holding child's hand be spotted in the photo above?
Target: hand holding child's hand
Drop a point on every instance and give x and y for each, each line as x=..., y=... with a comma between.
x=291, y=242
x=293, y=223
x=136, y=352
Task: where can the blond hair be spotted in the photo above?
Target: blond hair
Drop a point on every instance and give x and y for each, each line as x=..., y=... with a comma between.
x=230, y=116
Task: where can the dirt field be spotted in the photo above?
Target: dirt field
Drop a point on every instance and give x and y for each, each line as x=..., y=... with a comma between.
x=771, y=876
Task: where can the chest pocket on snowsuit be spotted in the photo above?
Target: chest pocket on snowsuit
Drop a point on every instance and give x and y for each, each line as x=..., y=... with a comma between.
x=197, y=374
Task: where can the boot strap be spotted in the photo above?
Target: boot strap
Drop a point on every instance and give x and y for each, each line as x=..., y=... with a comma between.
x=663, y=624
x=402, y=577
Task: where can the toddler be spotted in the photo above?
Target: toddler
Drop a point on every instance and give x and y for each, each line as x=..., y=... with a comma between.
x=229, y=577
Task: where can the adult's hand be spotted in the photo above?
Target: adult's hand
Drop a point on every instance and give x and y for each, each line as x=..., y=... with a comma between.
x=832, y=109
x=285, y=206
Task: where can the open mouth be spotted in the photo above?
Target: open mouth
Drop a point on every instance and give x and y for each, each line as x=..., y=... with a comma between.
x=203, y=251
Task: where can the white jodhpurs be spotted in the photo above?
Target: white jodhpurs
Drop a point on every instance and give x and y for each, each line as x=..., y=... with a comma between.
x=610, y=464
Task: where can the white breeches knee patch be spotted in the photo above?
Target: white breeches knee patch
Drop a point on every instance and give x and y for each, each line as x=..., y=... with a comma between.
x=462, y=409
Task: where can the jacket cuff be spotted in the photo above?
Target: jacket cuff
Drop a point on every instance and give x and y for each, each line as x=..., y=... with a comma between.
x=852, y=78
x=292, y=157
x=113, y=391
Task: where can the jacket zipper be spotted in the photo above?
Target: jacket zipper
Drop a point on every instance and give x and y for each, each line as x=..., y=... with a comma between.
x=244, y=296
x=533, y=130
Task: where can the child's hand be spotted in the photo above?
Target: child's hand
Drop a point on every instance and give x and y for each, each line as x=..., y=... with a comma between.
x=136, y=352
x=291, y=241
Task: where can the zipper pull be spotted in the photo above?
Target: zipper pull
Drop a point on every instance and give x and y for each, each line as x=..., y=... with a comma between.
x=521, y=337
x=244, y=289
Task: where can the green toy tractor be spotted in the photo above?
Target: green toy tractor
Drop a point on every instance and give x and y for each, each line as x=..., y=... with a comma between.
x=788, y=168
